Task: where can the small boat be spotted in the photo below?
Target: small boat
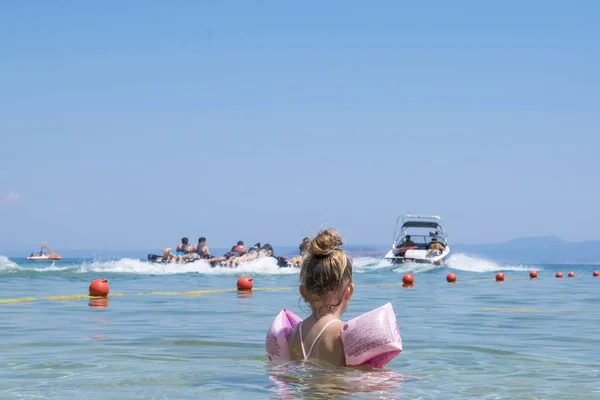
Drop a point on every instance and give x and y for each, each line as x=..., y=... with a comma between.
x=41, y=256
x=417, y=233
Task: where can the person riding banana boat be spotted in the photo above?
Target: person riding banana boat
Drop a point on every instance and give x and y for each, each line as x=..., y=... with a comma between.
x=185, y=252
x=255, y=252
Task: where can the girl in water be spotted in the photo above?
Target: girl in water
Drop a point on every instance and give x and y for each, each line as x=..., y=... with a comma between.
x=326, y=285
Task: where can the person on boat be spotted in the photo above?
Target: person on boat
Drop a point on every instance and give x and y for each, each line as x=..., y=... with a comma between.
x=435, y=245
x=266, y=251
x=303, y=247
x=326, y=286
x=201, y=251
x=252, y=254
x=406, y=243
x=235, y=251
x=182, y=249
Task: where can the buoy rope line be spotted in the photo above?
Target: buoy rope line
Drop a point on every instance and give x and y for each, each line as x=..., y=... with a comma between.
x=218, y=291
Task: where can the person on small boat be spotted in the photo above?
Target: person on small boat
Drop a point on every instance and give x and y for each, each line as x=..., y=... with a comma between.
x=202, y=249
x=235, y=251
x=250, y=255
x=303, y=247
x=266, y=251
x=200, y=252
x=435, y=247
x=407, y=242
x=183, y=248
x=254, y=253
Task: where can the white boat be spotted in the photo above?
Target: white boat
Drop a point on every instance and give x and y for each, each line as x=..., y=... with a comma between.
x=41, y=256
x=417, y=233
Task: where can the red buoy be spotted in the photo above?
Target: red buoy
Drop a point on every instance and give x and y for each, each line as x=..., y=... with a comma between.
x=408, y=279
x=99, y=288
x=559, y=274
x=500, y=277
x=244, y=283
x=596, y=273
x=451, y=278
x=533, y=274
x=571, y=274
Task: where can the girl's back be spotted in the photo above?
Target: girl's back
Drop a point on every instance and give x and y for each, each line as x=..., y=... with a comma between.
x=321, y=341
x=326, y=286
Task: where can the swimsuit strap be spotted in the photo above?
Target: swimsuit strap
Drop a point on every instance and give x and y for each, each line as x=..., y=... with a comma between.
x=306, y=357
x=301, y=341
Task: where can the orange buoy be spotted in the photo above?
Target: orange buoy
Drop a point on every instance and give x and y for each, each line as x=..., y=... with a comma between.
x=451, y=278
x=533, y=274
x=571, y=274
x=408, y=279
x=596, y=273
x=500, y=277
x=559, y=274
x=99, y=288
x=244, y=283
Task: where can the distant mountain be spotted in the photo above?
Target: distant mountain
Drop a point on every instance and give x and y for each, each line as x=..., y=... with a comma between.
x=536, y=250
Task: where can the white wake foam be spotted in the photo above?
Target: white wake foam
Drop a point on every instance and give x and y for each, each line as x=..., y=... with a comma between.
x=7, y=266
x=266, y=266
x=415, y=268
x=465, y=262
x=132, y=266
x=366, y=264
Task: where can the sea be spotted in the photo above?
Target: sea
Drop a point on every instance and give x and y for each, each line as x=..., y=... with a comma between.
x=170, y=331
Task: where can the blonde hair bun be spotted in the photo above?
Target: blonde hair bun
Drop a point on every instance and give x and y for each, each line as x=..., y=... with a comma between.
x=325, y=243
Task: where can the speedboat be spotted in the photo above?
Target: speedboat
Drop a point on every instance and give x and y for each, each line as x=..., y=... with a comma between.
x=41, y=256
x=416, y=233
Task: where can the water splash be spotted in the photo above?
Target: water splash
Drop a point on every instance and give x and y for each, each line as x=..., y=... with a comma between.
x=367, y=264
x=7, y=266
x=470, y=263
x=131, y=266
x=264, y=266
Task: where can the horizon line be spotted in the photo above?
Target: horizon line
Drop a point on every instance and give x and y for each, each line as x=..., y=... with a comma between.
x=371, y=245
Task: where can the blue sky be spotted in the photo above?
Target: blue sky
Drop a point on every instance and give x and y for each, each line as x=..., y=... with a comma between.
x=127, y=125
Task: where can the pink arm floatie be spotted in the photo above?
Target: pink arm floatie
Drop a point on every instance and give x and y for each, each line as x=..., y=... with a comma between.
x=279, y=333
x=372, y=338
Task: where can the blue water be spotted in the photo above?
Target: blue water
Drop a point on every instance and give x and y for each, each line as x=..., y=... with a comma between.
x=520, y=339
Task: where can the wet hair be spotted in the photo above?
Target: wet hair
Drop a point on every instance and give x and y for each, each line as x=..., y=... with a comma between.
x=202, y=239
x=326, y=271
x=240, y=243
x=184, y=240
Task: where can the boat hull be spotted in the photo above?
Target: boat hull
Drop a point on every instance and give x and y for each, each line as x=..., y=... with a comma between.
x=42, y=258
x=419, y=257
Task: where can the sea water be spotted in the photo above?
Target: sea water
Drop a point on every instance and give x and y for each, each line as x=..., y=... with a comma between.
x=517, y=339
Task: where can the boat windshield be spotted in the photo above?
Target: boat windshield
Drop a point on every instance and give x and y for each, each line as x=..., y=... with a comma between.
x=421, y=229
